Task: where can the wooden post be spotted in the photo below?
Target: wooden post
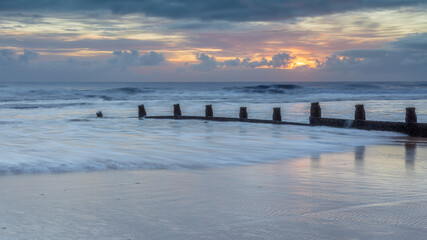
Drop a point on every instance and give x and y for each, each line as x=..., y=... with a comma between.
x=277, y=115
x=411, y=122
x=315, y=110
x=359, y=113
x=243, y=115
x=141, y=111
x=99, y=114
x=315, y=113
x=411, y=116
x=209, y=111
x=176, y=111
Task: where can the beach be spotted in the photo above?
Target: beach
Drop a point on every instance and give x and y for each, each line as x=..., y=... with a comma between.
x=372, y=192
x=221, y=120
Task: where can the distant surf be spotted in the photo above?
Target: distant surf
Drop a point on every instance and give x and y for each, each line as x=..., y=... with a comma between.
x=267, y=89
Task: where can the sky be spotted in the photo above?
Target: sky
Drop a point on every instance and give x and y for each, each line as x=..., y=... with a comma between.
x=194, y=40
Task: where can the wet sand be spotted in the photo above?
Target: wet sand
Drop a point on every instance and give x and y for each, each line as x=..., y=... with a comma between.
x=375, y=192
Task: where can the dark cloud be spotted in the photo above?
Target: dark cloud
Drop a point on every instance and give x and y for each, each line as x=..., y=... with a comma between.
x=200, y=25
x=54, y=41
x=23, y=18
x=371, y=53
x=230, y=10
x=407, y=55
x=416, y=42
x=207, y=63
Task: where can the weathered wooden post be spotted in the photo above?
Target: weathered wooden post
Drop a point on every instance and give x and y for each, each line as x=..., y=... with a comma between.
x=411, y=116
x=411, y=122
x=315, y=110
x=243, y=114
x=141, y=111
x=315, y=113
x=176, y=111
x=208, y=111
x=277, y=115
x=99, y=114
x=359, y=113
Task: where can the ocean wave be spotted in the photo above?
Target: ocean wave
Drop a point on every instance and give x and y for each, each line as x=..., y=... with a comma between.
x=129, y=90
x=267, y=89
x=123, y=93
x=362, y=86
x=41, y=105
x=103, y=97
x=111, y=94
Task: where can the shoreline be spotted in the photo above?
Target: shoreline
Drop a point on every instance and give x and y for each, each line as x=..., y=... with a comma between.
x=377, y=192
x=396, y=141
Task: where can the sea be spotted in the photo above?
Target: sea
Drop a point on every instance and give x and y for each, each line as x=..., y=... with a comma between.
x=53, y=128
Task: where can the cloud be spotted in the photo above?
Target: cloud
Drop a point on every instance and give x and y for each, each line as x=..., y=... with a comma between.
x=407, y=55
x=254, y=64
x=207, y=63
x=125, y=58
x=132, y=58
x=403, y=60
x=56, y=42
x=232, y=63
x=277, y=61
x=230, y=10
x=123, y=66
x=122, y=58
x=201, y=25
x=28, y=55
x=9, y=57
x=152, y=59
x=280, y=60
x=417, y=42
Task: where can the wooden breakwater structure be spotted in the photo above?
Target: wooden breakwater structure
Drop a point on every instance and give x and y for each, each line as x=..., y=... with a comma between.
x=410, y=126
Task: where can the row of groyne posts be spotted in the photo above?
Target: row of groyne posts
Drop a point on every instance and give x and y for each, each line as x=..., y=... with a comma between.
x=410, y=126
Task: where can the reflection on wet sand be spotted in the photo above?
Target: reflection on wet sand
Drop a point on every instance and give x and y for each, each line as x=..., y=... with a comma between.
x=409, y=156
x=359, y=156
x=410, y=153
x=315, y=160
